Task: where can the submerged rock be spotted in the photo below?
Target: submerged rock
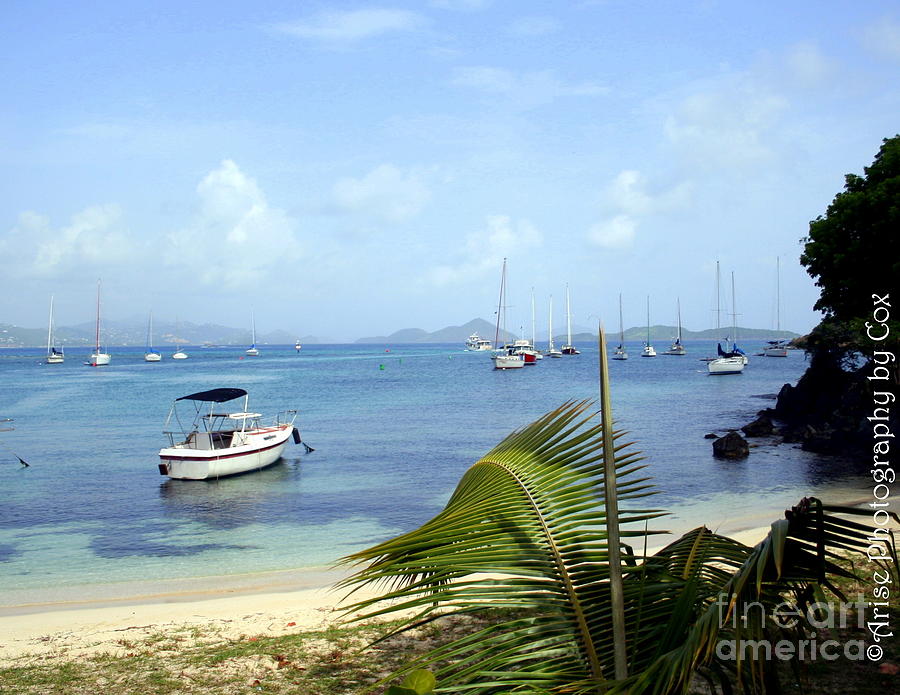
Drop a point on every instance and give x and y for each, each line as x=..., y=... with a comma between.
x=731, y=446
x=711, y=435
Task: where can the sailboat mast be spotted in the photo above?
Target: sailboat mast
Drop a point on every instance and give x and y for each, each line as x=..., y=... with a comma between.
x=718, y=309
x=733, y=311
x=500, y=305
x=533, y=333
x=778, y=293
x=568, y=318
x=648, y=319
x=50, y=327
x=98, y=318
x=678, y=302
x=621, y=326
x=550, y=325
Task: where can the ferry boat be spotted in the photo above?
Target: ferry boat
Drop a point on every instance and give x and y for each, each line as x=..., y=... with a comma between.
x=221, y=442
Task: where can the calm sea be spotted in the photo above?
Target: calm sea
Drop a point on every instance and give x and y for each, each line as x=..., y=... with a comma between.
x=393, y=431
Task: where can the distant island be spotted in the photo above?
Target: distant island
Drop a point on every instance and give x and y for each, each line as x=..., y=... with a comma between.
x=132, y=333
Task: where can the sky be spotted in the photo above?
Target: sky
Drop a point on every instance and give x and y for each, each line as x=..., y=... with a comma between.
x=347, y=169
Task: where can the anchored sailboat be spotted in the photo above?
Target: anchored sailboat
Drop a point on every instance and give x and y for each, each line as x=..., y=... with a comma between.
x=776, y=348
x=727, y=362
x=568, y=348
x=98, y=358
x=151, y=355
x=648, y=350
x=505, y=357
x=551, y=348
x=252, y=351
x=620, y=353
x=677, y=348
x=54, y=356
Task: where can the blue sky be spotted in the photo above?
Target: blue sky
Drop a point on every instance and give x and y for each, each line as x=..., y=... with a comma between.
x=349, y=169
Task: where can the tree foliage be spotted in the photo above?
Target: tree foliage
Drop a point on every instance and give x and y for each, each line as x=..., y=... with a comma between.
x=853, y=250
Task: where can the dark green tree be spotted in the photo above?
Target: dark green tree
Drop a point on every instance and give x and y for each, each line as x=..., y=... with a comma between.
x=853, y=251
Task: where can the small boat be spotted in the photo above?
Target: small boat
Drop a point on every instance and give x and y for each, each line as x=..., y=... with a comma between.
x=54, y=356
x=731, y=361
x=475, y=343
x=504, y=358
x=776, y=348
x=551, y=348
x=223, y=443
x=151, y=355
x=620, y=353
x=179, y=354
x=648, y=350
x=252, y=351
x=98, y=358
x=676, y=348
x=298, y=346
x=568, y=348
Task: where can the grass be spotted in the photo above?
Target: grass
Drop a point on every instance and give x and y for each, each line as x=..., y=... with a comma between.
x=339, y=661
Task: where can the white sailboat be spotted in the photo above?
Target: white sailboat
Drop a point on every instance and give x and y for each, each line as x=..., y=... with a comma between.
x=54, y=356
x=568, y=348
x=620, y=352
x=151, y=355
x=506, y=357
x=676, y=348
x=179, y=354
x=551, y=348
x=648, y=350
x=98, y=358
x=298, y=346
x=726, y=362
x=776, y=348
x=252, y=351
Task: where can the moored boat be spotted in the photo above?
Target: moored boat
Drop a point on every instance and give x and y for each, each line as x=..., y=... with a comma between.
x=568, y=348
x=475, y=343
x=98, y=357
x=676, y=348
x=151, y=355
x=504, y=358
x=620, y=352
x=648, y=350
x=54, y=356
x=221, y=443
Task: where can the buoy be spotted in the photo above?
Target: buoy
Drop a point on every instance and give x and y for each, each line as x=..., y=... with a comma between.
x=381, y=366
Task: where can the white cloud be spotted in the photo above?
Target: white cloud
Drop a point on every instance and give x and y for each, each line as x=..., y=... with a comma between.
x=883, y=38
x=527, y=89
x=807, y=65
x=235, y=235
x=384, y=192
x=483, y=251
x=615, y=233
x=94, y=237
x=630, y=200
x=353, y=25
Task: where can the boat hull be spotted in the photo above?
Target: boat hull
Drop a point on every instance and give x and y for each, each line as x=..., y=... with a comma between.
x=725, y=365
x=264, y=449
x=55, y=359
x=774, y=352
x=98, y=359
x=508, y=361
x=152, y=357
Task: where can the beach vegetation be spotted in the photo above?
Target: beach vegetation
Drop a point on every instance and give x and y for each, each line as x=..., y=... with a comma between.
x=526, y=531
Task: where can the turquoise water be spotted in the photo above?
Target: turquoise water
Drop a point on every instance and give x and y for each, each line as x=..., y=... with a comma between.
x=393, y=431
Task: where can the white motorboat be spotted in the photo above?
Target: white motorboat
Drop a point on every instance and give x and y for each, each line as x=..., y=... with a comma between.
x=676, y=348
x=727, y=362
x=298, y=346
x=252, y=351
x=568, y=348
x=620, y=352
x=475, y=343
x=552, y=350
x=221, y=443
x=54, y=356
x=151, y=355
x=506, y=357
x=776, y=348
x=648, y=350
x=98, y=357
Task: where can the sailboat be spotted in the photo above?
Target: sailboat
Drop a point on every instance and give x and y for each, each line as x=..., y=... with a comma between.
x=620, y=353
x=551, y=348
x=677, y=348
x=648, y=350
x=298, y=345
x=98, y=358
x=776, y=348
x=252, y=351
x=179, y=354
x=506, y=357
x=54, y=356
x=726, y=362
x=568, y=348
x=151, y=355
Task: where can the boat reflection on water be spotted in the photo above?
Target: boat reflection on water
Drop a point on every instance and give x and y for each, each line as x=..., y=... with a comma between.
x=238, y=500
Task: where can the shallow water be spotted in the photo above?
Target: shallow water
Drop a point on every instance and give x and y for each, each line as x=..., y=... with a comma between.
x=393, y=431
